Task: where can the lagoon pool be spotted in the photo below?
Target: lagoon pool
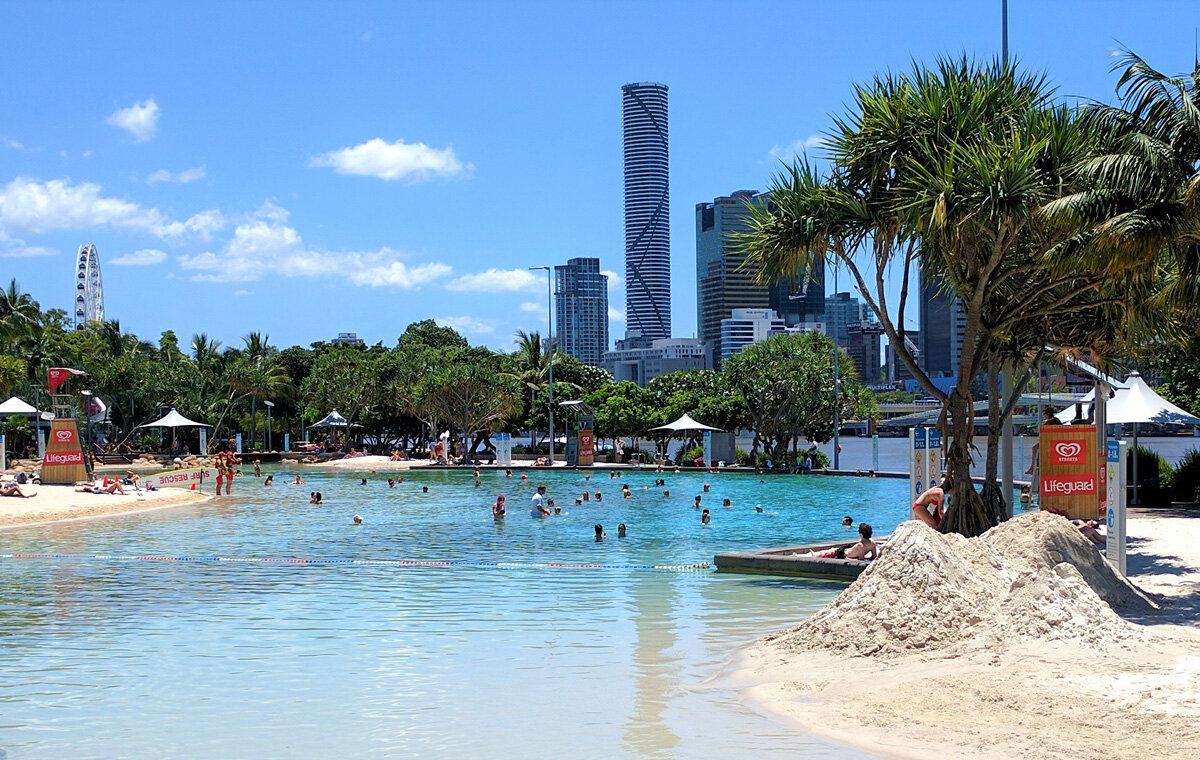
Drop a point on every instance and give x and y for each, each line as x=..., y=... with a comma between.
x=105, y=659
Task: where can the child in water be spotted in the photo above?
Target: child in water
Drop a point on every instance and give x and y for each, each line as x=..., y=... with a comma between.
x=498, y=509
x=704, y=517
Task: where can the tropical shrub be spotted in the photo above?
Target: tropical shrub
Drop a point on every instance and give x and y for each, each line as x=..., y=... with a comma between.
x=1185, y=485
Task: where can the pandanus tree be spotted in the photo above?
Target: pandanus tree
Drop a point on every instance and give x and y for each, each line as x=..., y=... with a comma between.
x=945, y=169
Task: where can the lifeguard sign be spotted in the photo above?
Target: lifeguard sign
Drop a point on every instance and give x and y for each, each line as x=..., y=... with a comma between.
x=1070, y=483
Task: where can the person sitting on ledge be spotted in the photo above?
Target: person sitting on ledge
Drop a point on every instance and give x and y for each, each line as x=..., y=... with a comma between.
x=865, y=549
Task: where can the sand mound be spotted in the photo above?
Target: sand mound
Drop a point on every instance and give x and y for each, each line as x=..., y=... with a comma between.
x=1034, y=577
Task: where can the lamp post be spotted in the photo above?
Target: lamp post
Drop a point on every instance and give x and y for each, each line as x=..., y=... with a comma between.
x=87, y=418
x=837, y=360
x=269, y=405
x=550, y=348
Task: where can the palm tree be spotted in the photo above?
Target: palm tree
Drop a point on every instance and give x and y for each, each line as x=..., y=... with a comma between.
x=18, y=312
x=258, y=350
x=946, y=168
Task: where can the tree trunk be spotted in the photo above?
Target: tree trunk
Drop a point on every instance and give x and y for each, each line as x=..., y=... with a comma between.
x=968, y=514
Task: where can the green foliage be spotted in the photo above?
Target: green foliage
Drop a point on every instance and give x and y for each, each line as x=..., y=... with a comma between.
x=788, y=387
x=741, y=456
x=623, y=410
x=1185, y=483
x=895, y=397
x=13, y=371
x=706, y=395
x=690, y=455
x=1153, y=469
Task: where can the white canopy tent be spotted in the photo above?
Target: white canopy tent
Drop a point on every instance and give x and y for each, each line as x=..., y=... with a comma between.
x=686, y=424
x=16, y=407
x=1133, y=404
x=174, y=419
x=333, y=419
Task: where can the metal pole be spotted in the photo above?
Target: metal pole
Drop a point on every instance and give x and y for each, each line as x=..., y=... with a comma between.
x=837, y=360
x=269, y=427
x=1004, y=29
x=1006, y=443
x=550, y=349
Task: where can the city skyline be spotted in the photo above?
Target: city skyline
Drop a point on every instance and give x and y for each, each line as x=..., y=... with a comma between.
x=277, y=187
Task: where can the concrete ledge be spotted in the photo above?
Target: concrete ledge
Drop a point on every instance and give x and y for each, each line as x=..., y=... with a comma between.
x=792, y=561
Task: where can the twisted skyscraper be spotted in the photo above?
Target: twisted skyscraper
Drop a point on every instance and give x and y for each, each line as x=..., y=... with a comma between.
x=647, y=212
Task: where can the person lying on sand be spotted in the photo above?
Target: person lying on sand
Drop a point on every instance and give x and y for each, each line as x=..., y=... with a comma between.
x=13, y=489
x=930, y=507
x=1089, y=529
x=113, y=487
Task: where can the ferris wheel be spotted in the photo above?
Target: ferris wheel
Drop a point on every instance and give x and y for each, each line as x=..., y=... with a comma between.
x=89, y=290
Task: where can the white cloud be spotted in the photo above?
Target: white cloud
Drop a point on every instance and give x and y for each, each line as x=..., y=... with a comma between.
x=498, y=281
x=265, y=246
x=470, y=325
x=614, y=280
x=181, y=178
x=10, y=143
x=139, y=120
x=25, y=252
x=616, y=315
x=243, y=292
x=143, y=258
x=28, y=205
x=392, y=161
x=797, y=148
x=533, y=307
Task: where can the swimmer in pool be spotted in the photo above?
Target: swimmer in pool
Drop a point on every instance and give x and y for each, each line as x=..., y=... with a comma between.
x=600, y=534
x=498, y=509
x=358, y=519
x=621, y=530
x=424, y=489
x=704, y=517
x=727, y=504
x=696, y=503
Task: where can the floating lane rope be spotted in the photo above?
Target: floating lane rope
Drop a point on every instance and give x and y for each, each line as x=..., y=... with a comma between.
x=411, y=563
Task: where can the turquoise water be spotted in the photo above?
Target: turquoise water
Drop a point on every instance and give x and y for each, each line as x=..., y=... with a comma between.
x=106, y=659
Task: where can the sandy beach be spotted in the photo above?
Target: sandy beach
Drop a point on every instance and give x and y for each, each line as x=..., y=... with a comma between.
x=58, y=503
x=1132, y=688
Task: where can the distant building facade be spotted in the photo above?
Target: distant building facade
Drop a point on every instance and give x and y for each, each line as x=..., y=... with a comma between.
x=350, y=339
x=942, y=328
x=723, y=284
x=841, y=311
x=863, y=345
x=581, y=309
x=647, y=211
x=745, y=327
x=895, y=370
x=640, y=361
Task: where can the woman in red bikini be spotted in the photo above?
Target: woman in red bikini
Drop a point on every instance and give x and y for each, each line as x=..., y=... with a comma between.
x=930, y=507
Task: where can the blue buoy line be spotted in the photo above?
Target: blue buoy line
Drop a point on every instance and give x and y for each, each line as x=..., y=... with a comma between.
x=406, y=563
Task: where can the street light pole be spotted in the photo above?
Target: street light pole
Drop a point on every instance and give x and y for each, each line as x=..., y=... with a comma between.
x=837, y=360
x=550, y=349
x=269, y=405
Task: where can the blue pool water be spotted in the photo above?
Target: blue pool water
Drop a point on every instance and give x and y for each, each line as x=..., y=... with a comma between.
x=106, y=659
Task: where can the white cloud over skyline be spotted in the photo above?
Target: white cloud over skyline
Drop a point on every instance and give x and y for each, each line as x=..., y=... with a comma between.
x=26, y=252
x=498, y=281
x=392, y=161
x=139, y=120
x=143, y=258
x=467, y=325
x=27, y=205
x=797, y=148
x=179, y=178
x=266, y=246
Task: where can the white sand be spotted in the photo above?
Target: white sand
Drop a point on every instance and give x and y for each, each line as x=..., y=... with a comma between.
x=58, y=503
x=1003, y=684
x=377, y=463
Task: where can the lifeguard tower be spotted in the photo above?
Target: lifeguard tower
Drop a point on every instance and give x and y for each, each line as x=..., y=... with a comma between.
x=581, y=441
x=63, y=461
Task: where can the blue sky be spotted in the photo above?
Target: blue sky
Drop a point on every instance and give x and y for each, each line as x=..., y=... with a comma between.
x=304, y=169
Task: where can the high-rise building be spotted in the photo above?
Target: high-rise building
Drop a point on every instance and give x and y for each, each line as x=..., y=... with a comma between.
x=896, y=370
x=724, y=284
x=636, y=361
x=943, y=326
x=863, y=345
x=348, y=339
x=647, y=212
x=581, y=309
x=841, y=311
x=745, y=327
